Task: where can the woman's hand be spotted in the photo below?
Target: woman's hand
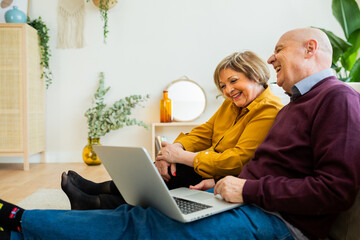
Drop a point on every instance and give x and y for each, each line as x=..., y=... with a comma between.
x=204, y=185
x=162, y=167
x=170, y=153
x=230, y=189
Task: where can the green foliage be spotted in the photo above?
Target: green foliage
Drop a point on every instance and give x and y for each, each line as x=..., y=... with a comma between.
x=104, y=17
x=43, y=32
x=346, y=61
x=102, y=120
x=103, y=7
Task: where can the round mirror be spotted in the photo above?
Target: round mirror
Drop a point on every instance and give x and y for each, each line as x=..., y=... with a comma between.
x=188, y=99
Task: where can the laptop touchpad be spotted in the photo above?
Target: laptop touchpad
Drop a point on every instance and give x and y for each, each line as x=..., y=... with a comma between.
x=200, y=196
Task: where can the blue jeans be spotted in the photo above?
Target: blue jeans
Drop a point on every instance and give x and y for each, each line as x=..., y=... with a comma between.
x=128, y=222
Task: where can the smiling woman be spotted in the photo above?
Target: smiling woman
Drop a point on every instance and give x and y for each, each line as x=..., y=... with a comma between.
x=242, y=77
x=239, y=88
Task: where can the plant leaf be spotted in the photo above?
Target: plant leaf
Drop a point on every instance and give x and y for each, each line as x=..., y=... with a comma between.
x=339, y=45
x=355, y=72
x=351, y=54
x=347, y=13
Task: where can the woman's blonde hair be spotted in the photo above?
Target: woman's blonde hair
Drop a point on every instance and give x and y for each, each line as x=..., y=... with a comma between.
x=246, y=62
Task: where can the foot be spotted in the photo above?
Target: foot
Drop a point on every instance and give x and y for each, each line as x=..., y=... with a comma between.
x=88, y=186
x=4, y=234
x=10, y=216
x=78, y=199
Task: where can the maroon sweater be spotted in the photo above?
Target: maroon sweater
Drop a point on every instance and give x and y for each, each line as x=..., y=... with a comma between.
x=308, y=167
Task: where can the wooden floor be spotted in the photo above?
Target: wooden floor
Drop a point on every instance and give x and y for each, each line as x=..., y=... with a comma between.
x=16, y=184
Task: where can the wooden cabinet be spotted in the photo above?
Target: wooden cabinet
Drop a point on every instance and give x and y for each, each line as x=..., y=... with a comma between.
x=22, y=93
x=170, y=131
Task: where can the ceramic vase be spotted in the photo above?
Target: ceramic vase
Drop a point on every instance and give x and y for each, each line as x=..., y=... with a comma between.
x=89, y=155
x=15, y=16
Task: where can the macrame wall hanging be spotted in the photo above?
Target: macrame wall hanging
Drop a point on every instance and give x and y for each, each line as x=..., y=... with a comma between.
x=71, y=15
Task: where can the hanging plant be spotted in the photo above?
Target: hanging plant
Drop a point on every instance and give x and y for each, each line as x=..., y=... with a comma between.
x=43, y=32
x=104, y=6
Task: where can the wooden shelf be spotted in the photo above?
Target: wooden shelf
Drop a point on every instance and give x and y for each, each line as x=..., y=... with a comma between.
x=169, y=130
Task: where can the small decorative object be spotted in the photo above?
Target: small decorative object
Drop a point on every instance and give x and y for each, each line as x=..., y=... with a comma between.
x=42, y=31
x=6, y=3
x=71, y=14
x=165, y=108
x=89, y=155
x=104, y=6
x=346, y=60
x=15, y=15
x=102, y=120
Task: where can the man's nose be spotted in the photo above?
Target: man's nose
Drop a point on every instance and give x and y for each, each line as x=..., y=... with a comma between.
x=271, y=59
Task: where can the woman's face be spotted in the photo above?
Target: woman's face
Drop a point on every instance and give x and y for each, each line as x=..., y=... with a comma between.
x=238, y=88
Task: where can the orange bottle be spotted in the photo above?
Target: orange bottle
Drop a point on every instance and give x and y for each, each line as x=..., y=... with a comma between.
x=165, y=108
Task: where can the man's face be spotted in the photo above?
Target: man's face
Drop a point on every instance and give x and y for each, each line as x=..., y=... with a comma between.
x=287, y=61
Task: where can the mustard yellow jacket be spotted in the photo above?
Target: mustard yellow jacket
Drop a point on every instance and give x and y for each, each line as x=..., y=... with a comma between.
x=228, y=140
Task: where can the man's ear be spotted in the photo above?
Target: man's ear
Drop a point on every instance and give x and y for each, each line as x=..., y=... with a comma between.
x=311, y=48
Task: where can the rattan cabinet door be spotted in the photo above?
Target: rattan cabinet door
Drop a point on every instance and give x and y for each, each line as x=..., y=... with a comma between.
x=11, y=111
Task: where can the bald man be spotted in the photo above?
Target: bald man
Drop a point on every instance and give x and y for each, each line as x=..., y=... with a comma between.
x=308, y=168
x=302, y=176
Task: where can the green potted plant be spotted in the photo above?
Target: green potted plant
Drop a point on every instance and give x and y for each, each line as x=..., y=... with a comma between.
x=104, y=6
x=346, y=61
x=102, y=119
x=43, y=32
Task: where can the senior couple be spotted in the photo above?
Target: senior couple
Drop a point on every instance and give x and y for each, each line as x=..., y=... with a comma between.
x=295, y=169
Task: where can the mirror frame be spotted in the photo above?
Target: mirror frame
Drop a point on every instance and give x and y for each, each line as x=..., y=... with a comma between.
x=186, y=79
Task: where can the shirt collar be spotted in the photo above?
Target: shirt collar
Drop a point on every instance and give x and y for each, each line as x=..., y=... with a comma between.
x=302, y=87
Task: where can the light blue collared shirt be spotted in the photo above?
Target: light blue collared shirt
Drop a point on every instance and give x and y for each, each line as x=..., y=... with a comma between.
x=302, y=87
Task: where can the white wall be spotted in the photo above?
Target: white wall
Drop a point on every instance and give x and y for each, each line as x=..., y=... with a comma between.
x=150, y=44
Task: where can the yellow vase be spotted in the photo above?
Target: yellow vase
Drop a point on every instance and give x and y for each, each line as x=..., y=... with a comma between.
x=89, y=156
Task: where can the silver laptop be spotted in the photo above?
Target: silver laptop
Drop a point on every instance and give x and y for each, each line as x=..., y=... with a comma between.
x=139, y=182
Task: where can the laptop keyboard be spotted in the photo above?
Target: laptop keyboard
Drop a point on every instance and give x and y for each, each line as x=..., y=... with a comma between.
x=187, y=206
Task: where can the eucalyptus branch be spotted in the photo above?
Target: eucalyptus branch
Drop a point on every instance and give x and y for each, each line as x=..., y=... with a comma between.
x=102, y=120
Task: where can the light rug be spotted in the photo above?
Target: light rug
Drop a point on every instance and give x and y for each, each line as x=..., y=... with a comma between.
x=46, y=199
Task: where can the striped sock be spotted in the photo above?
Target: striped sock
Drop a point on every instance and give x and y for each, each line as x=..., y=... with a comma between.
x=4, y=234
x=10, y=216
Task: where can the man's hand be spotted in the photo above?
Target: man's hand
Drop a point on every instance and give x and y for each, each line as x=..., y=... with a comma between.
x=230, y=189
